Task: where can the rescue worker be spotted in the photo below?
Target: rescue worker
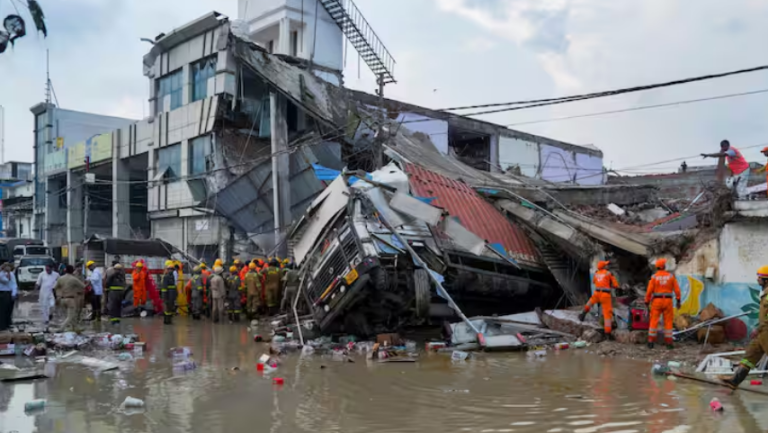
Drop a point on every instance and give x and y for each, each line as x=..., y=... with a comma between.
x=196, y=287
x=604, y=281
x=71, y=292
x=737, y=164
x=233, y=294
x=759, y=344
x=97, y=287
x=272, y=286
x=139, y=278
x=218, y=263
x=290, y=286
x=243, y=270
x=115, y=285
x=763, y=169
x=253, y=291
x=218, y=293
x=168, y=293
x=661, y=289
x=206, y=295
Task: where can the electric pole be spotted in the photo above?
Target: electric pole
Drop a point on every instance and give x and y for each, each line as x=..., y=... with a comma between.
x=378, y=140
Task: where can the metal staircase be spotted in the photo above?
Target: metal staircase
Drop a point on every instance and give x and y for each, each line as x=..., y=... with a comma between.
x=565, y=274
x=357, y=30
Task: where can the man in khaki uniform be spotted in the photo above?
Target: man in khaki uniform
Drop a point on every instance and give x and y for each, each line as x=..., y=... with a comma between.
x=759, y=345
x=218, y=294
x=272, y=286
x=253, y=291
x=71, y=292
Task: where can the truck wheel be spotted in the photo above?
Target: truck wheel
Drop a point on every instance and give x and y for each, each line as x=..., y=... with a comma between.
x=421, y=293
x=380, y=279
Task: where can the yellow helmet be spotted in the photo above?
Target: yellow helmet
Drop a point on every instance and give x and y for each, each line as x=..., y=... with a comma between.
x=168, y=264
x=233, y=269
x=762, y=272
x=217, y=263
x=90, y=262
x=251, y=265
x=237, y=261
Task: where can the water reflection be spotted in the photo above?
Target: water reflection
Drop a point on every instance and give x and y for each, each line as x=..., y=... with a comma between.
x=569, y=391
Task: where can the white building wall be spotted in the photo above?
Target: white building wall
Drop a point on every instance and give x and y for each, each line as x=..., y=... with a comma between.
x=517, y=152
x=436, y=129
x=742, y=251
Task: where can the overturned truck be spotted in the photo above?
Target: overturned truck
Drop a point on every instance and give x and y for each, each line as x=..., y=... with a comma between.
x=375, y=258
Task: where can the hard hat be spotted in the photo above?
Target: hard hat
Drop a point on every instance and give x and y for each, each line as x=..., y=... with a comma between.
x=763, y=271
x=168, y=264
x=90, y=262
x=237, y=261
x=286, y=261
x=217, y=263
x=765, y=149
x=139, y=264
x=233, y=269
x=197, y=269
x=661, y=263
x=252, y=265
x=202, y=265
x=602, y=264
x=119, y=266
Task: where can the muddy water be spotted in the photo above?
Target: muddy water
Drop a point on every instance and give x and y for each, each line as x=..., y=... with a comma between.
x=571, y=391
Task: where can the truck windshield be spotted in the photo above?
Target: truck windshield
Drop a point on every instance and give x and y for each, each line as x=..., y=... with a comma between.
x=37, y=251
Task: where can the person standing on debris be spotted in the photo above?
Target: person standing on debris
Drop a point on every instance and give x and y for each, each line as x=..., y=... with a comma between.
x=661, y=289
x=763, y=169
x=45, y=283
x=290, y=285
x=218, y=293
x=272, y=286
x=604, y=281
x=736, y=163
x=253, y=291
x=233, y=294
x=97, y=286
x=168, y=293
x=115, y=285
x=196, y=287
x=71, y=292
x=8, y=294
x=758, y=346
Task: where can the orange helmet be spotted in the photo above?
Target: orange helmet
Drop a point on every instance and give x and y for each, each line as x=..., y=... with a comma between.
x=765, y=149
x=661, y=263
x=602, y=264
x=762, y=272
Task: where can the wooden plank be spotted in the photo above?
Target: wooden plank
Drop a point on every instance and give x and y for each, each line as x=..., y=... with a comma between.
x=715, y=382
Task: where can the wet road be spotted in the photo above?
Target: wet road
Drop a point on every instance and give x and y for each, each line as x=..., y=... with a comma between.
x=569, y=391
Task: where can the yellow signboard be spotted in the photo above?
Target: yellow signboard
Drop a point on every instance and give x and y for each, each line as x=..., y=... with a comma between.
x=98, y=148
x=59, y=142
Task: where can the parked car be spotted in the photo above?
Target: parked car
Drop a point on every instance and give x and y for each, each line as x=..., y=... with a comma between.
x=20, y=251
x=30, y=268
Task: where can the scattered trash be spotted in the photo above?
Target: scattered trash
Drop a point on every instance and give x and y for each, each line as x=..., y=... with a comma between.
x=124, y=356
x=674, y=365
x=9, y=367
x=185, y=365
x=434, y=346
x=258, y=338
x=23, y=377
x=35, y=351
x=389, y=340
x=715, y=405
x=139, y=348
x=659, y=370
x=278, y=339
x=263, y=359
x=260, y=367
x=7, y=349
x=755, y=382
x=307, y=350
x=35, y=405
x=134, y=403
x=458, y=355
x=456, y=391
x=98, y=364
x=561, y=346
x=254, y=323
x=537, y=354
x=278, y=381
x=579, y=344
x=180, y=353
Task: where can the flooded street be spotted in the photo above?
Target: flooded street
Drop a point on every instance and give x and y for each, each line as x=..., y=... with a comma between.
x=568, y=391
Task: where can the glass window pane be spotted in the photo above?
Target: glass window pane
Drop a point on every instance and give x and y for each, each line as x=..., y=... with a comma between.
x=201, y=72
x=170, y=158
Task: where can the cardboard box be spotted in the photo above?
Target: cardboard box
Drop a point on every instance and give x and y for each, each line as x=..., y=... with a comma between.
x=389, y=340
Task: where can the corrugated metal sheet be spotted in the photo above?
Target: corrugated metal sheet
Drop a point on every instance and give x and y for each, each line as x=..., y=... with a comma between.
x=473, y=212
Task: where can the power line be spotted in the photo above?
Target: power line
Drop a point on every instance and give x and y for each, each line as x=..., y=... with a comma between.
x=643, y=107
x=613, y=92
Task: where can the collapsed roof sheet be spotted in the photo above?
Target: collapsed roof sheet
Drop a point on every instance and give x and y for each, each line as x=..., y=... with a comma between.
x=473, y=212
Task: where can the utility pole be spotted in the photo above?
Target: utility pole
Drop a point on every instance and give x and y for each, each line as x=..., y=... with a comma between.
x=2, y=135
x=87, y=207
x=378, y=140
x=281, y=181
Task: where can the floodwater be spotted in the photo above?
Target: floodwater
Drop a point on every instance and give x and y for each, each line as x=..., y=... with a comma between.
x=568, y=391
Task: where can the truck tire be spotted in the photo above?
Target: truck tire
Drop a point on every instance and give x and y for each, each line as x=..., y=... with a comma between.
x=421, y=293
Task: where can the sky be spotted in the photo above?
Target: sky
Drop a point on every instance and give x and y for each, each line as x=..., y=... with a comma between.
x=453, y=53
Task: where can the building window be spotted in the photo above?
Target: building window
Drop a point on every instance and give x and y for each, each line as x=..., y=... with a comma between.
x=169, y=162
x=21, y=229
x=271, y=47
x=169, y=85
x=201, y=72
x=295, y=43
x=199, y=153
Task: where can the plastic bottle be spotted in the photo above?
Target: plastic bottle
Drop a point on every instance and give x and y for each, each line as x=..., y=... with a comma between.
x=34, y=405
x=133, y=402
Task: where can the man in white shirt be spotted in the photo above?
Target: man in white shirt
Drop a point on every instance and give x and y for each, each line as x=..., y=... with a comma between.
x=8, y=294
x=96, y=279
x=45, y=283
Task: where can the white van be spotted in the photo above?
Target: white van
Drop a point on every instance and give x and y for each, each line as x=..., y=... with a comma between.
x=20, y=251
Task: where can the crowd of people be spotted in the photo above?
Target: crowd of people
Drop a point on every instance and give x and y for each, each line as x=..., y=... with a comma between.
x=255, y=288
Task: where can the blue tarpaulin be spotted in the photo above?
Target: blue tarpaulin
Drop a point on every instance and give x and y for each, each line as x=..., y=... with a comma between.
x=326, y=174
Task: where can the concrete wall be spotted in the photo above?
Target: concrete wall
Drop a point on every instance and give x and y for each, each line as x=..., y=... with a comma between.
x=436, y=129
x=262, y=16
x=518, y=152
x=560, y=165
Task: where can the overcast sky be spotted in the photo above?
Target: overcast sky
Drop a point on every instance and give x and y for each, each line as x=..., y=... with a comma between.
x=457, y=52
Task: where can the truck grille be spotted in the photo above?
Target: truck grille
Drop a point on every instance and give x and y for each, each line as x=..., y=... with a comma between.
x=333, y=263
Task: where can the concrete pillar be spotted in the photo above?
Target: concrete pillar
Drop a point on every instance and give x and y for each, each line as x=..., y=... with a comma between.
x=281, y=183
x=285, y=36
x=74, y=212
x=186, y=88
x=494, y=151
x=52, y=210
x=121, y=198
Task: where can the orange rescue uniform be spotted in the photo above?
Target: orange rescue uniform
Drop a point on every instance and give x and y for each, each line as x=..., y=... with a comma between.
x=604, y=282
x=139, y=277
x=662, y=290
